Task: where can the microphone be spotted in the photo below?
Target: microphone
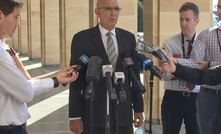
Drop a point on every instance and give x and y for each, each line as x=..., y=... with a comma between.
x=119, y=80
x=92, y=76
x=128, y=62
x=107, y=71
x=83, y=60
x=148, y=65
x=146, y=47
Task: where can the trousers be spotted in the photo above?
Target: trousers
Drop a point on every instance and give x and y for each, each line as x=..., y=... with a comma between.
x=209, y=111
x=179, y=107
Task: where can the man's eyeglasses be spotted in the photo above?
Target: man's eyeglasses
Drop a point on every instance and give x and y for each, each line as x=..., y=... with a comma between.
x=117, y=9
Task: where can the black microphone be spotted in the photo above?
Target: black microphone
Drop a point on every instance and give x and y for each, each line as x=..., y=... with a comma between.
x=92, y=76
x=146, y=47
x=107, y=71
x=147, y=64
x=83, y=60
x=128, y=62
x=119, y=80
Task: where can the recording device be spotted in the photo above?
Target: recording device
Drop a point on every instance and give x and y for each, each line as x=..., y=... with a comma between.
x=148, y=65
x=128, y=62
x=107, y=71
x=92, y=76
x=83, y=60
x=144, y=47
x=119, y=80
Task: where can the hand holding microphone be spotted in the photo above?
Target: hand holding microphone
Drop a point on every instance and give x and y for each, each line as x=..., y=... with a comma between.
x=82, y=61
x=64, y=76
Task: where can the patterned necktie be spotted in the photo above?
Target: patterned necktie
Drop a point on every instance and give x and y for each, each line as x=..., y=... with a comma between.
x=11, y=51
x=111, y=51
x=189, y=49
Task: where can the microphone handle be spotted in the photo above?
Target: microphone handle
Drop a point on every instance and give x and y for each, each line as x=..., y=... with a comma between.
x=121, y=92
x=141, y=88
x=110, y=89
x=160, y=55
x=156, y=71
x=89, y=91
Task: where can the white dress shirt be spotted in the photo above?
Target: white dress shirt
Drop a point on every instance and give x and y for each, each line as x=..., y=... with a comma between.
x=16, y=90
x=103, y=32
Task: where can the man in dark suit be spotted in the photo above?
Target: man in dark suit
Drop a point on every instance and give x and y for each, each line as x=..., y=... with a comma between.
x=93, y=42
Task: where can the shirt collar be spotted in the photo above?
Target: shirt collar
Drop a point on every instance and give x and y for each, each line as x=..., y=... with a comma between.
x=105, y=31
x=186, y=39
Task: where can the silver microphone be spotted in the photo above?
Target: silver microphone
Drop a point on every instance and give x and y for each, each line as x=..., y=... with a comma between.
x=107, y=71
x=143, y=47
x=119, y=80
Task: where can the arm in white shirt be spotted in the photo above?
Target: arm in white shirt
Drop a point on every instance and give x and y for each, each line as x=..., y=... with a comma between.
x=14, y=83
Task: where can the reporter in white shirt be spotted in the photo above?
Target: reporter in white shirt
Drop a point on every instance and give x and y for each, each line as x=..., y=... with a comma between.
x=15, y=87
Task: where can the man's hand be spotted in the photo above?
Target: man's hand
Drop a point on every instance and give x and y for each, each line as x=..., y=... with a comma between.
x=67, y=75
x=169, y=67
x=138, y=119
x=76, y=126
x=203, y=64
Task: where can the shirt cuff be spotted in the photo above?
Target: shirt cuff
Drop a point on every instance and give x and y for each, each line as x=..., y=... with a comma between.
x=76, y=118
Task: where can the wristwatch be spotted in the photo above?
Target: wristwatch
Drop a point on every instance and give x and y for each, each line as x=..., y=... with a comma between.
x=56, y=82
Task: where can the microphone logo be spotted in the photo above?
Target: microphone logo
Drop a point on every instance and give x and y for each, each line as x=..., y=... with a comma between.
x=84, y=59
x=128, y=61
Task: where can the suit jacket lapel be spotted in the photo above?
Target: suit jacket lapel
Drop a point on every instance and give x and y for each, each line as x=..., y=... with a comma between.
x=96, y=36
x=120, y=47
x=119, y=41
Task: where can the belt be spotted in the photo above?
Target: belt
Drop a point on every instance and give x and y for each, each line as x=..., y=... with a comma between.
x=182, y=93
x=213, y=91
x=12, y=127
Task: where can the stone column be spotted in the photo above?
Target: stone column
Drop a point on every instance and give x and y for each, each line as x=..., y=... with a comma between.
x=35, y=29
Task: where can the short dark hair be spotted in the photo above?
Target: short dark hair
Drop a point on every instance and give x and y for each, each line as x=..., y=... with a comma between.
x=190, y=6
x=7, y=6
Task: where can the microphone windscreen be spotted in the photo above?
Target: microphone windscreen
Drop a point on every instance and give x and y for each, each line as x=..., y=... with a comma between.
x=94, y=69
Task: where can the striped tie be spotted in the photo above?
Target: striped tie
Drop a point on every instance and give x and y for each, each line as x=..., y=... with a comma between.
x=111, y=51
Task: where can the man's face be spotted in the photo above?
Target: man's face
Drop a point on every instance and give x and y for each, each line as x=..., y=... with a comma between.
x=188, y=22
x=9, y=23
x=108, y=12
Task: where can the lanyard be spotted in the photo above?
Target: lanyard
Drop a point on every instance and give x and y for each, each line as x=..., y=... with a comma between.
x=182, y=41
x=217, y=32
